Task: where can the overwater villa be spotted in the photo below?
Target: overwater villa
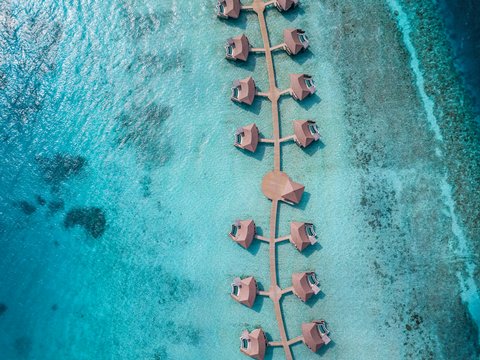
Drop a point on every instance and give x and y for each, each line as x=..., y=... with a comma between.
x=247, y=137
x=301, y=86
x=244, y=291
x=237, y=48
x=295, y=41
x=306, y=132
x=292, y=192
x=244, y=91
x=302, y=235
x=254, y=344
x=228, y=9
x=243, y=232
x=284, y=5
x=315, y=334
x=305, y=285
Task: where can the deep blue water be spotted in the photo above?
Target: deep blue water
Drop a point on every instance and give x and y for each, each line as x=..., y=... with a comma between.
x=462, y=19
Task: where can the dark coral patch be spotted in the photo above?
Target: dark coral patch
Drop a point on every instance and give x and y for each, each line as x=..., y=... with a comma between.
x=55, y=206
x=146, y=182
x=3, y=308
x=61, y=167
x=23, y=346
x=140, y=25
x=150, y=64
x=182, y=333
x=160, y=354
x=144, y=127
x=92, y=219
x=40, y=200
x=26, y=207
x=29, y=46
x=175, y=288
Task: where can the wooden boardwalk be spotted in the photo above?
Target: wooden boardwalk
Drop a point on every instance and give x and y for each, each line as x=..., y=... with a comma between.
x=273, y=181
x=273, y=94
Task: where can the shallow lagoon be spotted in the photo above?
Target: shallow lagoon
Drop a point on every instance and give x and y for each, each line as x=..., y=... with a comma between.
x=116, y=106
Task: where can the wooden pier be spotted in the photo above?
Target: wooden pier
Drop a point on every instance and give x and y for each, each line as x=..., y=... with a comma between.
x=274, y=182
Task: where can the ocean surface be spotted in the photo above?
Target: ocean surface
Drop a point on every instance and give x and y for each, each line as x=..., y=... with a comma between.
x=119, y=182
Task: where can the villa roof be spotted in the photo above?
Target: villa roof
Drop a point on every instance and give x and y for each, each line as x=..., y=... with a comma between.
x=303, y=135
x=312, y=337
x=257, y=344
x=299, y=236
x=245, y=233
x=247, y=292
x=246, y=90
x=231, y=8
x=285, y=5
x=301, y=286
x=299, y=87
x=240, y=47
x=249, y=134
x=292, y=191
x=292, y=41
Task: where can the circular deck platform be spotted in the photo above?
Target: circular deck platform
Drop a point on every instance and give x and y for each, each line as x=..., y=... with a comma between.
x=273, y=184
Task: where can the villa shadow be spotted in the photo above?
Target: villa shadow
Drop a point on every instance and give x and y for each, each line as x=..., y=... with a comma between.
x=240, y=23
x=325, y=349
x=248, y=65
x=257, y=306
x=269, y=353
x=282, y=146
x=280, y=210
x=314, y=299
x=260, y=231
x=255, y=247
x=310, y=101
x=307, y=103
x=277, y=267
x=321, y=352
x=303, y=57
x=314, y=147
x=298, y=344
x=262, y=136
x=257, y=155
x=292, y=14
x=255, y=108
x=305, y=198
x=312, y=249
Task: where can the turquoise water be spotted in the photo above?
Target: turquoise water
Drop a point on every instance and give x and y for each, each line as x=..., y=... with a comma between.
x=119, y=183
